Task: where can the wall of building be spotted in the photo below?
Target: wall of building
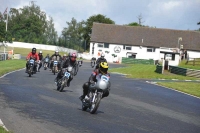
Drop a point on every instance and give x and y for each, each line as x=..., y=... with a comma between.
x=141, y=52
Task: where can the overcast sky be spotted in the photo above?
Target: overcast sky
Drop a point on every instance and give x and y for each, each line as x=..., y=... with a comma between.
x=168, y=14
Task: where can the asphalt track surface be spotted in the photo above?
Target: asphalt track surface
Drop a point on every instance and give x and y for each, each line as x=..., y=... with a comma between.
x=32, y=105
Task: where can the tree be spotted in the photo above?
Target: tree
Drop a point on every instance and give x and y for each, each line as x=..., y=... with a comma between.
x=30, y=24
x=89, y=23
x=72, y=34
x=198, y=23
x=133, y=24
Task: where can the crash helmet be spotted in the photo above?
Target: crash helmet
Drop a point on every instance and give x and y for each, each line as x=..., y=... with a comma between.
x=102, y=55
x=56, y=52
x=73, y=56
x=40, y=52
x=103, y=67
x=33, y=50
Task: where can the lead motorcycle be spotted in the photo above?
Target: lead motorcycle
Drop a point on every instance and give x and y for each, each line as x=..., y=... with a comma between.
x=31, y=64
x=95, y=92
x=61, y=84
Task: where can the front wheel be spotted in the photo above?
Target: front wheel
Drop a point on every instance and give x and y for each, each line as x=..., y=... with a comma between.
x=95, y=105
x=54, y=70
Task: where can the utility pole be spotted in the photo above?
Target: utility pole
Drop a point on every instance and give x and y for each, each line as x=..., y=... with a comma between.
x=140, y=19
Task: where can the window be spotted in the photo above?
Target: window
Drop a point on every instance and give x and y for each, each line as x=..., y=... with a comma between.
x=106, y=45
x=123, y=46
x=100, y=45
x=128, y=48
x=151, y=49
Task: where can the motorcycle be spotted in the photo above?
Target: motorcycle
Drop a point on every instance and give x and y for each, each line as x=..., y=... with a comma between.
x=46, y=62
x=92, y=63
x=95, y=92
x=63, y=81
x=30, y=67
x=55, y=67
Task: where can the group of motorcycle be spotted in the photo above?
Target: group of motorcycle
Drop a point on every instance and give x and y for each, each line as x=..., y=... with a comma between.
x=95, y=91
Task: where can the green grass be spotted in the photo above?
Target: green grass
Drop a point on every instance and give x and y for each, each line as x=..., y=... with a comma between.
x=11, y=65
x=2, y=130
x=141, y=71
x=25, y=51
x=189, y=66
x=187, y=87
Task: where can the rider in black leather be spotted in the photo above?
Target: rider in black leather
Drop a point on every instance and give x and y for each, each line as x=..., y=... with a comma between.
x=102, y=69
x=57, y=57
x=71, y=61
x=101, y=59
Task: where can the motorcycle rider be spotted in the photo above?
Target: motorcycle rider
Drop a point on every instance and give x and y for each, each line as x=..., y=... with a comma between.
x=40, y=58
x=64, y=57
x=100, y=59
x=71, y=61
x=103, y=70
x=55, y=56
x=93, y=60
x=32, y=55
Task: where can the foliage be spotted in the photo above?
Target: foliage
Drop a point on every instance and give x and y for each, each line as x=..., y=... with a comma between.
x=30, y=24
x=72, y=34
x=89, y=23
x=133, y=24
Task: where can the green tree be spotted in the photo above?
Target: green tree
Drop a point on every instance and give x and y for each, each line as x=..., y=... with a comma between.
x=133, y=24
x=30, y=24
x=89, y=23
x=72, y=34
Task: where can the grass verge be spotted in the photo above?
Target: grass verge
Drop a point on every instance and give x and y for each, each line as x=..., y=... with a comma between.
x=140, y=71
x=2, y=130
x=189, y=66
x=187, y=87
x=11, y=65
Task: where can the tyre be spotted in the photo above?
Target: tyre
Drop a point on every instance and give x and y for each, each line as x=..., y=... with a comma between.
x=84, y=108
x=54, y=70
x=95, y=105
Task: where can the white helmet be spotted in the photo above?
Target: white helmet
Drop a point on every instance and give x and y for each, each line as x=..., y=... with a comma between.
x=40, y=52
x=64, y=55
x=102, y=55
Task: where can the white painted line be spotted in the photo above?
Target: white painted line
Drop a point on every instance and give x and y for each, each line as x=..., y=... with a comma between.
x=175, y=90
x=119, y=73
x=188, y=80
x=2, y=125
x=11, y=72
x=174, y=79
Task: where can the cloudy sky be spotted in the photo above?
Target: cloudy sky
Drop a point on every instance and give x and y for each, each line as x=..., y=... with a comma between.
x=169, y=14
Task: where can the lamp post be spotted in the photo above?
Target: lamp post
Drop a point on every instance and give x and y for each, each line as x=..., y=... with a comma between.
x=179, y=39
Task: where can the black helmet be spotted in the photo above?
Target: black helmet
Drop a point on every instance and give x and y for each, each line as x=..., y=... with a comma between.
x=33, y=50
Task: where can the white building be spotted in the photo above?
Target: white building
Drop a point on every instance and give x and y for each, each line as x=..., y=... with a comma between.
x=142, y=43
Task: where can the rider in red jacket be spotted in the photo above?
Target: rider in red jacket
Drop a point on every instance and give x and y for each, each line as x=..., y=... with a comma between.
x=32, y=55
